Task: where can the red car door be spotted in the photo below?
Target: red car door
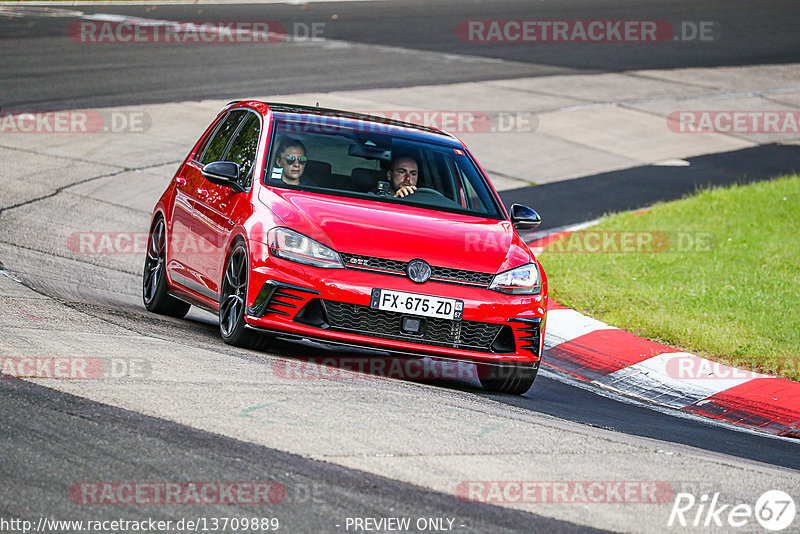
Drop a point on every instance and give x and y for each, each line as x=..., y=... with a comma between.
x=187, y=180
x=192, y=239
x=216, y=205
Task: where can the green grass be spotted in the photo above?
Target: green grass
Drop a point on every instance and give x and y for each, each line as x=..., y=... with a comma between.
x=733, y=297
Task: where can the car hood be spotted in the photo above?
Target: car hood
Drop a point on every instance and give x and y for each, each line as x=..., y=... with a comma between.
x=399, y=232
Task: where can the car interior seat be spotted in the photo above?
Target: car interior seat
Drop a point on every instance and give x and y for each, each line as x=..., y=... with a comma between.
x=319, y=173
x=366, y=180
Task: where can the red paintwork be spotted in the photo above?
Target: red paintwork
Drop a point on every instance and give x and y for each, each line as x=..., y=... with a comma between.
x=401, y=232
x=347, y=225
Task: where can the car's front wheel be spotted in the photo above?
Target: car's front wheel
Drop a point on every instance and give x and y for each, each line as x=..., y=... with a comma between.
x=233, y=298
x=508, y=378
x=154, y=278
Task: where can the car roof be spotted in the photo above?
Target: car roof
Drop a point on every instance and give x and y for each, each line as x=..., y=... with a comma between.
x=352, y=119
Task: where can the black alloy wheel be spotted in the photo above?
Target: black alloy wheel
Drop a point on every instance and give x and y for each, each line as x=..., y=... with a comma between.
x=233, y=300
x=155, y=294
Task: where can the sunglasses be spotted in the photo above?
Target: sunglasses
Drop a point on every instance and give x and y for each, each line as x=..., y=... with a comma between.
x=302, y=160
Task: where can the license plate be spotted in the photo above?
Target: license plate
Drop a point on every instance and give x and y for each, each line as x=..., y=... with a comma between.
x=415, y=304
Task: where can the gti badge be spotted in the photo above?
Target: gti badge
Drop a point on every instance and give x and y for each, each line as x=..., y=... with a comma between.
x=418, y=271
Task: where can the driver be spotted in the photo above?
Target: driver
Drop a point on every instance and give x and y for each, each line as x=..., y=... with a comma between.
x=403, y=174
x=290, y=162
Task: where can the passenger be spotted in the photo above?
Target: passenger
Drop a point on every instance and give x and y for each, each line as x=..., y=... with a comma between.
x=403, y=174
x=290, y=162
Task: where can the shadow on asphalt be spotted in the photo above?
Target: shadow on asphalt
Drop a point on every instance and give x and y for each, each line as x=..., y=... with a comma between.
x=54, y=442
x=578, y=404
x=548, y=396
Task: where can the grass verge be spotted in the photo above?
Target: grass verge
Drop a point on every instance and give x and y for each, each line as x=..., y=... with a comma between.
x=716, y=274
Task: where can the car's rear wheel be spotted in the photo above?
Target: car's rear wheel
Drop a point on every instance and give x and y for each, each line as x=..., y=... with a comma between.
x=154, y=278
x=509, y=378
x=233, y=299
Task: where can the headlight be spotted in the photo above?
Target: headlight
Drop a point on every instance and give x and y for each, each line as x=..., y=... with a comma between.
x=292, y=246
x=523, y=280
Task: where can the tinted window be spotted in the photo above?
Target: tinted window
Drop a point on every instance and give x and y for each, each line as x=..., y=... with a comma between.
x=340, y=159
x=243, y=149
x=215, y=148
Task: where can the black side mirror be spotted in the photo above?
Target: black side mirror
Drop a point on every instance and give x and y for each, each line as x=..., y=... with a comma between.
x=225, y=173
x=524, y=218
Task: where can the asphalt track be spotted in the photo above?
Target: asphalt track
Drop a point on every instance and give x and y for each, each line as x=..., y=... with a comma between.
x=42, y=70
x=52, y=439
x=69, y=439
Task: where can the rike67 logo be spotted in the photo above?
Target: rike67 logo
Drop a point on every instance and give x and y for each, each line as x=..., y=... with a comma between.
x=774, y=510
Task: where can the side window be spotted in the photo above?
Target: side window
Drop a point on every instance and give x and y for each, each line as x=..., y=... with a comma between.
x=243, y=148
x=215, y=148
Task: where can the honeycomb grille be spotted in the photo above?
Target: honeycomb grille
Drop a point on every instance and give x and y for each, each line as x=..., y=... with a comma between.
x=460, y=275
x=363, y=320
x=367, y=263
x=398, y=268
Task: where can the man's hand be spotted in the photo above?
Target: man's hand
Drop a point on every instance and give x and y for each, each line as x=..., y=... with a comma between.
x=405, y=191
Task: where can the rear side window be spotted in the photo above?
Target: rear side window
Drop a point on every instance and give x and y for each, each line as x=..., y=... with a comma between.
x=215, y=149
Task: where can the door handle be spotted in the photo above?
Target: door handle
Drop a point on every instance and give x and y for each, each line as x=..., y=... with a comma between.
x=180, y=180
x=202, y=193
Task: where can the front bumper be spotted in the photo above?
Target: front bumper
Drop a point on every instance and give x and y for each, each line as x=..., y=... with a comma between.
x=333, y=305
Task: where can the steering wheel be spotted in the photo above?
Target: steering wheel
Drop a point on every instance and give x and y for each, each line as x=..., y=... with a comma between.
x=429, y=191
x=432, y=197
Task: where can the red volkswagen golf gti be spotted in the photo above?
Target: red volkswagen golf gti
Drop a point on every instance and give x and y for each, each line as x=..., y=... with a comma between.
x=320, y=224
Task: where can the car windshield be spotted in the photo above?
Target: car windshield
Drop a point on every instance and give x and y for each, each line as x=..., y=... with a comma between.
x=357, y=159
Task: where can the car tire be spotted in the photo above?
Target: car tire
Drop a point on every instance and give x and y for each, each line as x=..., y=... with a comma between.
x=155, y=294
x=511, y=379
x=232, y=302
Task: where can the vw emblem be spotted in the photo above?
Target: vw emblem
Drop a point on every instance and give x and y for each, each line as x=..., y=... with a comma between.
x=418, y=271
